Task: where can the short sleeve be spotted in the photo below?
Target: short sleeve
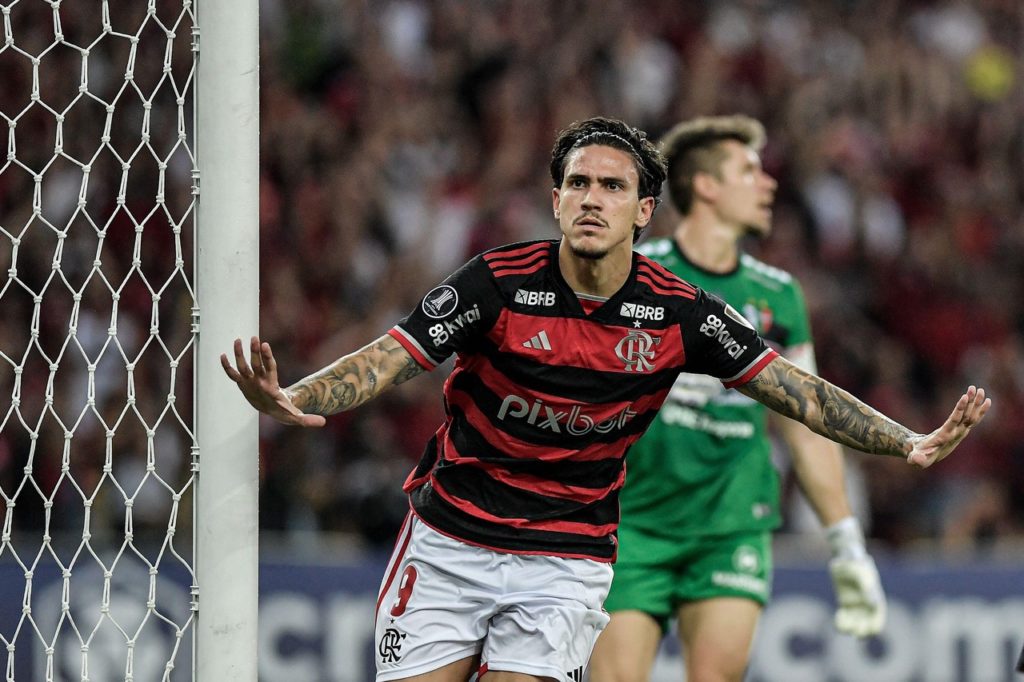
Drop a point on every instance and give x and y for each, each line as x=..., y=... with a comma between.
x=452, y=316
x=721, y=343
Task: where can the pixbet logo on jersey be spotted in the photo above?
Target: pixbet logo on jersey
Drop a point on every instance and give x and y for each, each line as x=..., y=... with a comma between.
x=572, y=421
x=715, y=328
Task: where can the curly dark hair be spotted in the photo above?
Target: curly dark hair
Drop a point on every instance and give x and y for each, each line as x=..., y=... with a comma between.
x=650, y=164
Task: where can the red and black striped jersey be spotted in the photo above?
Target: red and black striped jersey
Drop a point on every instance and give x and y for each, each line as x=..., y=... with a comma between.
x=545, y=400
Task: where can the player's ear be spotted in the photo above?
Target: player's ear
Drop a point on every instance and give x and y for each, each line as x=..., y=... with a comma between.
x=645, y=212
x=554, y=202
x=705, y=186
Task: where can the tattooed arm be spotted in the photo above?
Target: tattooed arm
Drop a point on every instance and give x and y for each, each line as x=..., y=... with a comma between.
x=832, y=412
x=345, y=384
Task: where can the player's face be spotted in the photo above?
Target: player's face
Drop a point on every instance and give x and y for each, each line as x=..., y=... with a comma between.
x=598, y=203
x=746, y=192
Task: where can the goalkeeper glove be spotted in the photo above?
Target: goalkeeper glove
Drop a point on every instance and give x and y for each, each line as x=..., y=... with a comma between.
x=855, y=578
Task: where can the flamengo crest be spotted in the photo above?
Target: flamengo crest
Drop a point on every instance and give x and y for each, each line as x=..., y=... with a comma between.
x=636, y=349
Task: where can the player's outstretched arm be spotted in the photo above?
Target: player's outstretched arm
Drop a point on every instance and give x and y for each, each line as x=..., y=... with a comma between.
x=343, y=385
x=834, y=413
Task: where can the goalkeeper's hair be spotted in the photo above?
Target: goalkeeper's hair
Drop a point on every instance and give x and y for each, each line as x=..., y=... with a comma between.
x=694, y=146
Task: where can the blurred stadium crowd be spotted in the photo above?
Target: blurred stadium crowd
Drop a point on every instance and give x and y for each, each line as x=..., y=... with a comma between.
x=401, y=137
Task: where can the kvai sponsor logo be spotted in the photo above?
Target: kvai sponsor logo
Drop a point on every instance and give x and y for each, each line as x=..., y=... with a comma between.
x=442, y=331
x=715, y=328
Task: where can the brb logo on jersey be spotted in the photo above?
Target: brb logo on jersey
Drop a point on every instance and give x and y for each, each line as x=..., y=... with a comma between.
x=545, y=298
x=440, y=302
x=572, y=421
x=715, y=328
x=639, y=311
x=636, y=349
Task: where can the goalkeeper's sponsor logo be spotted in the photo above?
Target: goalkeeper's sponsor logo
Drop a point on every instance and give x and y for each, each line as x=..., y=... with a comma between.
x=680, y=415
x=746, y=560
x=544, y=298
x=714, y=327
x=740, y=581
x=440, y=302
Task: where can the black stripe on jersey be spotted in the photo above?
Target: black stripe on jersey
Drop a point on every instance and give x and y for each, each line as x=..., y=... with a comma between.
x=518, y=259
x=575, y=383
x=490, y=403
x=476, y=486
x=438, y=513
x=663, y=275
x=598, y=473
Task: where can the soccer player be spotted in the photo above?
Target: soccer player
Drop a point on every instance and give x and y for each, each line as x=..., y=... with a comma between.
x=565, y=351
x=702, y=494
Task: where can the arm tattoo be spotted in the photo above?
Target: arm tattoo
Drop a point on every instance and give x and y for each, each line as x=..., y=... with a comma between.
x=355, y=378
x=827, y=409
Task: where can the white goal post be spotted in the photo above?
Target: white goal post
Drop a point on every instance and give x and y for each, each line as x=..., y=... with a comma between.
x=128, y=264
x=227, y=136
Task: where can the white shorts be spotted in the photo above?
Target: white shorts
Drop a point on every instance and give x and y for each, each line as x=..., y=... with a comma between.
x=443, y=600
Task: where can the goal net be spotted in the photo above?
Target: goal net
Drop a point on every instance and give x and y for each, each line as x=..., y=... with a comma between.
x=97, y=338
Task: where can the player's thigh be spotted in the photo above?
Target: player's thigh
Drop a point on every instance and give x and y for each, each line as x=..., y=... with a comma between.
x=626, y=649
x=716, y=635
x=434, y=606
x=550, y=617
x=508, y=676
x=721, y=596
x=457, y=671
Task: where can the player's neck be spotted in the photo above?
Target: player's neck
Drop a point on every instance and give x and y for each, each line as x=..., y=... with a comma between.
x=708, y=244
x=595, y=277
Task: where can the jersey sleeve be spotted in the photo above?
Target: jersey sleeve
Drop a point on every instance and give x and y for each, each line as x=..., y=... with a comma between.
x=799, y=347
x=721, y=343
x=452, y=316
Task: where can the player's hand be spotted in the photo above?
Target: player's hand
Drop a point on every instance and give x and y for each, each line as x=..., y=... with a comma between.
x=257, y=380
x=859, y=593
x=935, y=446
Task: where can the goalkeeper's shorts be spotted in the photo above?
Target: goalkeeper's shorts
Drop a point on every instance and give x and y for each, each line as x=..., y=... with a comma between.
x=656, y=575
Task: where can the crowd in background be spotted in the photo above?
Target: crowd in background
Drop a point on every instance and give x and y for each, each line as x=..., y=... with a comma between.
x=401, y=137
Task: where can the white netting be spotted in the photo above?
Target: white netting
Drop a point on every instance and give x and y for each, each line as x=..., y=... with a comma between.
x=96, y=339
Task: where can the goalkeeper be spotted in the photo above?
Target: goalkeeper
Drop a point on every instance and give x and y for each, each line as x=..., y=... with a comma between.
x=701, y=495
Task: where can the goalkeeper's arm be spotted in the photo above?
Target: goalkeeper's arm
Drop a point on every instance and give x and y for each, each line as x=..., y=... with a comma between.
x=818, y=465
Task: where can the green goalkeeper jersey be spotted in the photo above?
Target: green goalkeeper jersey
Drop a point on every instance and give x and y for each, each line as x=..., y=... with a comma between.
x=704, y=466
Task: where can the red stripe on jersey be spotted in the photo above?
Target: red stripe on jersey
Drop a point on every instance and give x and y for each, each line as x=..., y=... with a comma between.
x=415, y=350
x=753, y=371
x=502, y=272
x=663, y=274
x=401, y=544
x=513, y=447
x=665, y=290
x=516, y=254
x=544, y=486
x=467, y=507
x=412, y=481
x=576, y=342
x=506, y=550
